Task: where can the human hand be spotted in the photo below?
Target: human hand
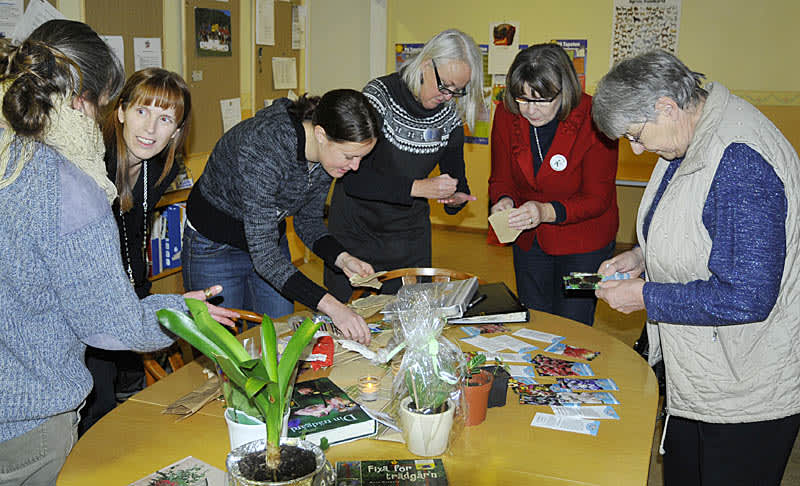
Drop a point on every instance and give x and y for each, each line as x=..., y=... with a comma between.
x=220, y=314
x=351, y=265
x=625, y=296
x=501, y=205
x=351, y=325
x=631, y=262
x=440, y=187
x=527, y=216
x=458, y=198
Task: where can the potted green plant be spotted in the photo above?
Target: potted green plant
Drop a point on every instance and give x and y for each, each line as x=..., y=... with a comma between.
x=476, y=386
x=265, y=381
x=428, y=374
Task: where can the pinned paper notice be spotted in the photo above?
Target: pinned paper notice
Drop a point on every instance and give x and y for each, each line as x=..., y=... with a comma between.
x=499, y=222
x=231, y=113
x=284, y=72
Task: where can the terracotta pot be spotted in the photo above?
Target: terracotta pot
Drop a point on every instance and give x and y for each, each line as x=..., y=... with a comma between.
x=426, y=435
x=477, y=396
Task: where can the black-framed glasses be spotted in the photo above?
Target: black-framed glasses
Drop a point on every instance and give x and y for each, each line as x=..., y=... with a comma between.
x=637, y=138
x=455, y=93
x=522, y=101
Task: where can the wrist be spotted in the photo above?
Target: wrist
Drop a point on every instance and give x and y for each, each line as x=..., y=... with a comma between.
x=341, y=259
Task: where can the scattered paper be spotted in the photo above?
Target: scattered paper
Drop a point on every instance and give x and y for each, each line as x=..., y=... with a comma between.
x=537, y=335
x=10, y=15
x=566, y=424
x=590, y=412
x=511, y=343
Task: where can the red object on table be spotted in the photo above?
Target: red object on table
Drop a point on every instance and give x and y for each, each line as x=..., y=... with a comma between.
x=324, y=346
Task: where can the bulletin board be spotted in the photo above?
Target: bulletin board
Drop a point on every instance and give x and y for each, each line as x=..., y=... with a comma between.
x=262, y=62
x=210, y=78
x=142, y=18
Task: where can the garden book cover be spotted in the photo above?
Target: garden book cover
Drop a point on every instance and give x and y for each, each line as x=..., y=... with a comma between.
x=394, y=472
x=189, y=471
x=321, y=409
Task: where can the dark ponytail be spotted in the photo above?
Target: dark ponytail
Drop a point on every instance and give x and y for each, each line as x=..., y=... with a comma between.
x=347, y=116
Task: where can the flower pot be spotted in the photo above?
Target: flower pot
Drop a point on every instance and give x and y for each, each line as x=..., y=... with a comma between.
x=476, y=393
x=323, y=475
x=426, y=435
x=243, y=428
x=497, y=396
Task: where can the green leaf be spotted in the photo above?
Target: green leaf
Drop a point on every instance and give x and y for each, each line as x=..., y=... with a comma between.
x=301, y=337
x=269, y=348
x=253, y=386
x=182, y=325
x=216, y=331
x=324, y=444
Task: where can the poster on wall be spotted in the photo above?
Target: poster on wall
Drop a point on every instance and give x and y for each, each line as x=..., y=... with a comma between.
x=212, y=32
x=504, y=44
x=576, y=48
x=643, y=25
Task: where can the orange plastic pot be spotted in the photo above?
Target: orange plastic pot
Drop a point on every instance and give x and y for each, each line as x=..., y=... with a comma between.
x=476, y=394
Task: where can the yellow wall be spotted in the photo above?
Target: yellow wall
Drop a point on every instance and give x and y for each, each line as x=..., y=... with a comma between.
x=748, y=46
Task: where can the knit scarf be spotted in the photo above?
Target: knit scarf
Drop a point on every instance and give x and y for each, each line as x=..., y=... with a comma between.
x=74, y=135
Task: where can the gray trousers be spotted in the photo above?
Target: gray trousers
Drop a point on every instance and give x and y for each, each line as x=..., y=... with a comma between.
x=36, y=458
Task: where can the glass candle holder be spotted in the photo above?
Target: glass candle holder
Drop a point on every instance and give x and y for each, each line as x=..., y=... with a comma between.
x=368, y=387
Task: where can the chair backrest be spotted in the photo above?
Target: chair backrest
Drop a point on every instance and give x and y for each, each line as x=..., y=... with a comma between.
x=153, y=371
x=411, y=275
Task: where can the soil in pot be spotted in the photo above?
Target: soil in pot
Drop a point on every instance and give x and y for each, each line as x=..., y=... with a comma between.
x=295, y=463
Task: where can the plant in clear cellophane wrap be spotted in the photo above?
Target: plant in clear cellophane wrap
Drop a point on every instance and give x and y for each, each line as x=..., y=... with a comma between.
x=429, y=373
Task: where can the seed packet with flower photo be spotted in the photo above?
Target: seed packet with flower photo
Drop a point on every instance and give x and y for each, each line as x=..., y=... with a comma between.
x=547, y=366
x=572, y=351
x=189, y=471
x=585, y=384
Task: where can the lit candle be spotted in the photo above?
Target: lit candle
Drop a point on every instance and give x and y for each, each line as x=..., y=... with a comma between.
x=368, y=387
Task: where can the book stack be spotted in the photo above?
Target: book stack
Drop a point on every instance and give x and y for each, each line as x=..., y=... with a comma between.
x=166, y=239
x=493, y=303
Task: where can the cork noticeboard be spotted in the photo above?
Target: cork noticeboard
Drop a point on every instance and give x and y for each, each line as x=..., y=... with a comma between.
x=263, y=54
x=210, y=78
x=142, y=18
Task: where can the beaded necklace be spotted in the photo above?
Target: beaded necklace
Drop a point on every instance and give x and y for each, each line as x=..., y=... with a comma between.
x=538, y=147
x=144, y=224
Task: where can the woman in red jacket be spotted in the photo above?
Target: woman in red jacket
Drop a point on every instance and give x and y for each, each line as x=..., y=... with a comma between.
x=557, y=171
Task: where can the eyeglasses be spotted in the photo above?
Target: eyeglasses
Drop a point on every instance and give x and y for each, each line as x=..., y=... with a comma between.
x=537, y=102
x=444, y=89
x=637, y=138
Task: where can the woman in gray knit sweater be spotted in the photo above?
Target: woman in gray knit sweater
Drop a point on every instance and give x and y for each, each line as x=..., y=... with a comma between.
x=276, y=164
x=62, y=285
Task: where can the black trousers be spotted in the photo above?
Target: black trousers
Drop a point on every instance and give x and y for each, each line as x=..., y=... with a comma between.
x=541, y=286
x=701, y=453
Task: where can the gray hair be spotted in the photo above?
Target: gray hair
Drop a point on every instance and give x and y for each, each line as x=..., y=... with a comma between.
x=629, y=92
x=450, y=45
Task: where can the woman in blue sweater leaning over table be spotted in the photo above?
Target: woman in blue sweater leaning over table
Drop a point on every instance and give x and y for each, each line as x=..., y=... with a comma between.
x=143, y=132
x=276, y=164
x=720, y=240
x=381, y=212
x=62, y=286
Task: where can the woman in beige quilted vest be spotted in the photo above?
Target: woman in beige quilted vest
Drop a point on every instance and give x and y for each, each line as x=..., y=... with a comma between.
x=719, y=240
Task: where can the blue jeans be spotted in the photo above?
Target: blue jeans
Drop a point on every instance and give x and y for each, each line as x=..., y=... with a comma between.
x=541, y=287
x=36, y=457
x=206, y=263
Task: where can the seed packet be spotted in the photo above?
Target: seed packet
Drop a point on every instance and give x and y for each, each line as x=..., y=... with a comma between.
x=547, y=366
x=589, y=281
x=584, y=384
x=571, y=351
